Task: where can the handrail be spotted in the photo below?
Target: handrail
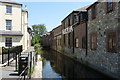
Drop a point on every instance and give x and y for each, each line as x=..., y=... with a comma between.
x=20, y=76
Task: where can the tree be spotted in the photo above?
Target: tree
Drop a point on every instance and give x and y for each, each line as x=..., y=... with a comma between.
x=37, y=30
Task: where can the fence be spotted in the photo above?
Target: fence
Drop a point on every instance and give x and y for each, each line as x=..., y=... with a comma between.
x=32, y=59
x=9, y=53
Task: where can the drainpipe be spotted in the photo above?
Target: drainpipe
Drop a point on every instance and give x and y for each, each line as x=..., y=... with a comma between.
x=73, y=40
x=73, y=36
x=86, y=40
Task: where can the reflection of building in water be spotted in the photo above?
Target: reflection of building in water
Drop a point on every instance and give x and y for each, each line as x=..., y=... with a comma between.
x=68, y=68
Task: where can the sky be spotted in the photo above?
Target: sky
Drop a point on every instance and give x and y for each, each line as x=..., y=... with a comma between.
x=50, y=13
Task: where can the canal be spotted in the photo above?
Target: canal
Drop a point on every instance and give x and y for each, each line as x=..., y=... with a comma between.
x=61, y=67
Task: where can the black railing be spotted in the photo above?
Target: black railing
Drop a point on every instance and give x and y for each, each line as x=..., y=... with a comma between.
x=23, y=75
x=27, y=72
x=9, y=53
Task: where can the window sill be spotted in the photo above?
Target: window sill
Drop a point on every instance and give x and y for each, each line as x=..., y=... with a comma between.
x=8, y=30
x=8, y=13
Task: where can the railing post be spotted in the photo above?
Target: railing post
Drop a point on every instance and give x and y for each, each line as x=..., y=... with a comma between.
x=16, y=60
x=2, y=56
x=24, y=77
x=8, y=56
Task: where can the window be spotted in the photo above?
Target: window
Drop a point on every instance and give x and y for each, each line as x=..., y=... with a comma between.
x=109, y=5
x=111, y=42
x=76, y=42
x=84, y=42
x=75, y=18
x=8, y=42
x=8, y=24
x=93, y=41
x=93, y=12
x=8, y=9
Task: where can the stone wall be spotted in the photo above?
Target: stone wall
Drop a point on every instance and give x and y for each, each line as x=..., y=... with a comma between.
x=103, y=21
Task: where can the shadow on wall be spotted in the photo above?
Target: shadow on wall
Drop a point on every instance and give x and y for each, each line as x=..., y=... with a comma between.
x=0, y=50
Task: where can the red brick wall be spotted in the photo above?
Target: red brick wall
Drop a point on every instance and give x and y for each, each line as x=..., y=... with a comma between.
x=79, y=32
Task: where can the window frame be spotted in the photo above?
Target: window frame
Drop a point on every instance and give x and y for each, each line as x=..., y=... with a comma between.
x=8, y=25
x=111, y=47
x=8, y=43
x=8, y=9
x=93, y=41
x=109, y=9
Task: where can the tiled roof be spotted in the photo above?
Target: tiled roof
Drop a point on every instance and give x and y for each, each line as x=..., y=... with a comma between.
x=82, y=9
x=11, y=33
x=9, y=1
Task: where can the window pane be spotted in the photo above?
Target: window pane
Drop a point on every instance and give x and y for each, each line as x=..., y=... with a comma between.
x=109, y=5
x=8, y=24
x=8, y=9
x=8, y=42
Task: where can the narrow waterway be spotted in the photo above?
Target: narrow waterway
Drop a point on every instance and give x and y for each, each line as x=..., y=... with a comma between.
x=61, y=67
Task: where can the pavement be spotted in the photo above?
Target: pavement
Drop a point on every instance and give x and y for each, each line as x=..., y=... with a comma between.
x=37, y=74
x=9, y=71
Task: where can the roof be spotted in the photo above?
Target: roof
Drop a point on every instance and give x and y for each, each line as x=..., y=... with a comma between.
x=78, y=10
x=83, y=8
x=11, y=33
x=10, y=1
x=92, y=4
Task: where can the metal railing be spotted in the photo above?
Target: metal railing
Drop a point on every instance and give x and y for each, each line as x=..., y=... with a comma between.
x=27, y=72
x=23, y=75
x=9, y=53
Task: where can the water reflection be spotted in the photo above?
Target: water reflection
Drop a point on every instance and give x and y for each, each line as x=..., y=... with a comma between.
x=56, y=65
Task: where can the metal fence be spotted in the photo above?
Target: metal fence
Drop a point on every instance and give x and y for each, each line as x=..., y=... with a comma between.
x=32, y=59
x=9, y=53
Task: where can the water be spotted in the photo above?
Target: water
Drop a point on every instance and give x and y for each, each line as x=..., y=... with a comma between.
x=58, y=66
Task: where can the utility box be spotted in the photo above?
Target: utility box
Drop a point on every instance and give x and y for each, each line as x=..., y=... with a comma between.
x=23, y=63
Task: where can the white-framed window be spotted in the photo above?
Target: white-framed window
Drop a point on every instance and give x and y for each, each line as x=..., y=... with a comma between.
x=8, y=9
x=8, y=42
x=8, y=24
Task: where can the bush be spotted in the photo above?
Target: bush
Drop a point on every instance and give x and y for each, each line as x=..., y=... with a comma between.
x=38, y=49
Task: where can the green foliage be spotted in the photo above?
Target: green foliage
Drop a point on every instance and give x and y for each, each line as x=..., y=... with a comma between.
x=36, y=32
x=38, y=48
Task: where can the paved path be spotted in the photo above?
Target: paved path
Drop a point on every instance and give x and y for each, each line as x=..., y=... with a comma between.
x=9, y=71
x=38, y=70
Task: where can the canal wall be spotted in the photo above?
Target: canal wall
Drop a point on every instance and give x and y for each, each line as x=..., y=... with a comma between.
x=37, y=74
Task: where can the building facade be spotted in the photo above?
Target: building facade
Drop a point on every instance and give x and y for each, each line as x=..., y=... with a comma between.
x=12, y=25
x=91, y=35
x=103, y=26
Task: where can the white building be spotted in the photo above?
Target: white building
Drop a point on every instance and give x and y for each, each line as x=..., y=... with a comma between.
x=13, y=25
